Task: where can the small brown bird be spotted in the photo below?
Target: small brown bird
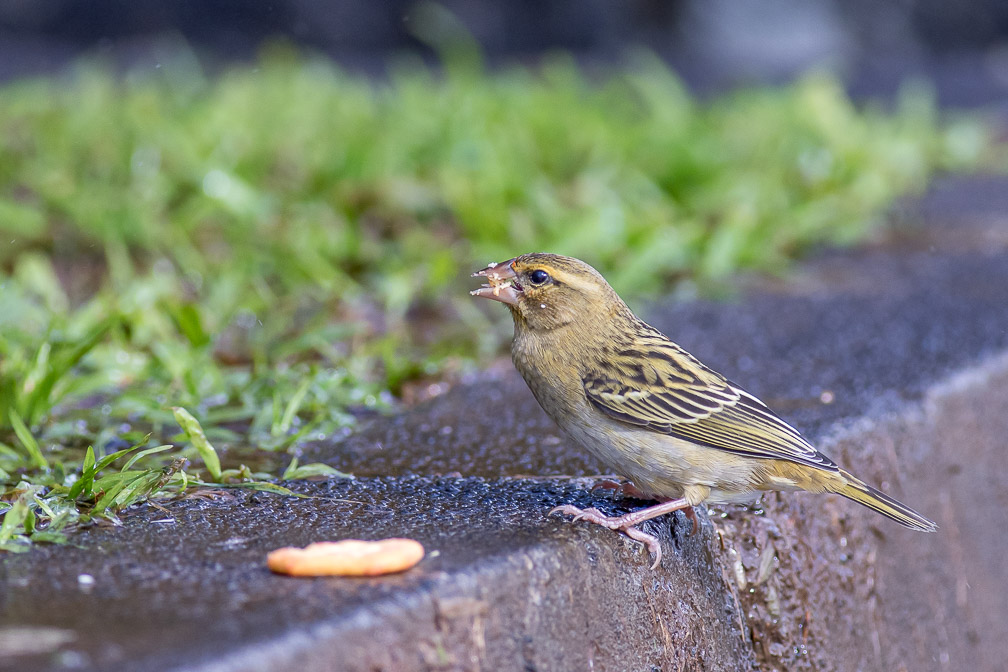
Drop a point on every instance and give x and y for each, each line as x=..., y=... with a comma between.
x=681, y=432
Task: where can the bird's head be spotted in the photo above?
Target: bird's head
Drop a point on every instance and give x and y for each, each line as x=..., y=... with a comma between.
x=550, y=291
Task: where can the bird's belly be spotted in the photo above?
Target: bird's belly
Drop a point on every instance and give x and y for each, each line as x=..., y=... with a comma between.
x=664, y=465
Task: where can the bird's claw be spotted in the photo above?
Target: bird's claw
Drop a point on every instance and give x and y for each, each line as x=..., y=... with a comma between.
x=618, y=523
x=625, y=489
x=565, y=510
x=649, y=540
x=578, y=514
x=691, y=516
x=591, y=513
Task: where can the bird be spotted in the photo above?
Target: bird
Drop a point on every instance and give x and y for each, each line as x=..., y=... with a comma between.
x=682, y=433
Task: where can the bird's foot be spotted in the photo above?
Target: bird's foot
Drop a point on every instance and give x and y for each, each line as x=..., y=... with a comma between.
x=624, y=488
x=592, y=515
x=627, y=524
x=628, y=489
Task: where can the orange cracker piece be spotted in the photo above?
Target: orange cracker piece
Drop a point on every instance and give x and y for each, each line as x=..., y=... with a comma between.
x=350, y=557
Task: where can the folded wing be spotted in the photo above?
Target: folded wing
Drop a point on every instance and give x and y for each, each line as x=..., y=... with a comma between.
x=657, y=385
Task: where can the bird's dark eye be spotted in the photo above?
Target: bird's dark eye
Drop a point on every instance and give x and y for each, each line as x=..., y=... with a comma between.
x=539, y=277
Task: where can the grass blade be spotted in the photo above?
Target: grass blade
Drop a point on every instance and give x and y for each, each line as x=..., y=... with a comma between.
x=194, y=431
x=85, y=482
x=28, y=441
x=295, y=472
x=60, y=366
x=144, y=453
x=292, y=408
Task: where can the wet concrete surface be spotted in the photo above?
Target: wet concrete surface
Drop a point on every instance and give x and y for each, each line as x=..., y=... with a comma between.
x=187, y=587
x=891, y=357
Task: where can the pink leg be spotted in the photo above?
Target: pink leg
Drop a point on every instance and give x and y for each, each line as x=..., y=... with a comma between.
x=692, y=517
x=627, y=524
x=628, y=489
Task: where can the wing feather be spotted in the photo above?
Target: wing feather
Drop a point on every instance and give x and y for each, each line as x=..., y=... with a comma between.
x=663, y=388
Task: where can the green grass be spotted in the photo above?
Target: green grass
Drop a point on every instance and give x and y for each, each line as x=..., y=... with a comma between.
x=282, y=247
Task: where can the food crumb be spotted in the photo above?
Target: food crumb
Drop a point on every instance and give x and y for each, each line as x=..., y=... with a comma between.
x=350, y=557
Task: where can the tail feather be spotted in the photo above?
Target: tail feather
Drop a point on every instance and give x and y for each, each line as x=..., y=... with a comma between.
x=862, y=493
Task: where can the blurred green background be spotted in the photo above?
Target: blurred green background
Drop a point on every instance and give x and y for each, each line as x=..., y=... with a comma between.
x=282, y=248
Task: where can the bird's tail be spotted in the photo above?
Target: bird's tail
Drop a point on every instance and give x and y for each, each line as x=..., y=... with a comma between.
x=862, y=493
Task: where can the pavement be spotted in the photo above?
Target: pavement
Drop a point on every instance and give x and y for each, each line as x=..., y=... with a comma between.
x=892, y=357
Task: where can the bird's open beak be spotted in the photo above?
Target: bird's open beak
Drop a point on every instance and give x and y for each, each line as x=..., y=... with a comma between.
x=502, y=283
